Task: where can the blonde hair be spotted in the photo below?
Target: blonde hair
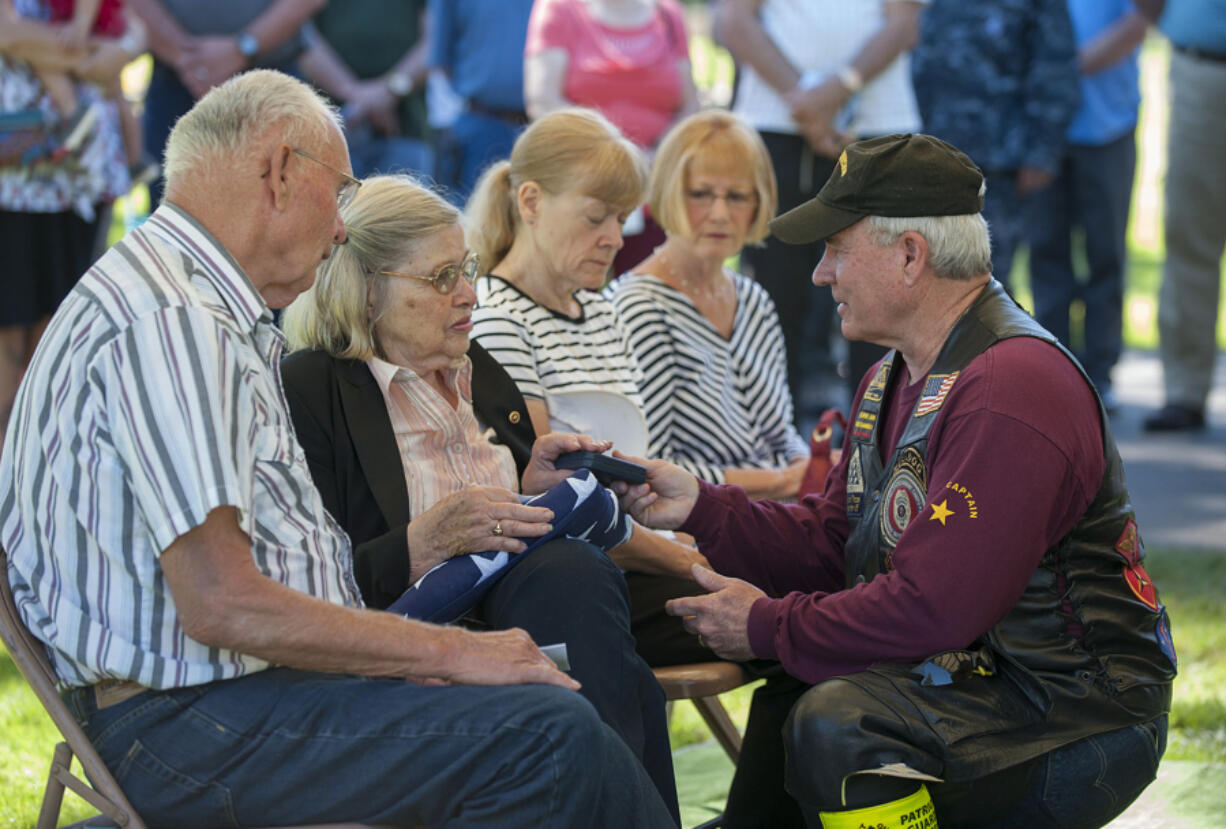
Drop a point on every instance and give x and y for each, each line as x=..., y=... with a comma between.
x=568, y=149
x=728, y=144
x=223, y=125
x=959, y=247
x=387, y=219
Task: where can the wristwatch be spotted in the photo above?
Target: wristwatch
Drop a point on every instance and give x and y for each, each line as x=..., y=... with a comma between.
x=248, y=46
x=400, y=84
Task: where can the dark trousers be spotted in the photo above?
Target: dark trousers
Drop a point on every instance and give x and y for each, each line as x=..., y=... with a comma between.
x=1090, y=199
x=786, y=272
x=756, y=797
x=850, y=724
x=568, y=591
x=463, y=151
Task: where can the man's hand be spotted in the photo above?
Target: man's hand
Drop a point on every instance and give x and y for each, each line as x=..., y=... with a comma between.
x=373, y=102
x=209, y=61
x=665, y=500
x=473, y=520
x=541, y=474
x=721, y=618
x=498, y=657
x=814, y=111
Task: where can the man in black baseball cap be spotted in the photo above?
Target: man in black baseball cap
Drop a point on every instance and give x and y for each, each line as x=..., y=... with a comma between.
x=896, y=175
x=965, y=606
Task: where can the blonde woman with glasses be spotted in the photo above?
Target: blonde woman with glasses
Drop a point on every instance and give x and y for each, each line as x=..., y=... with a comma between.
x=707, y=338
x=419, y=443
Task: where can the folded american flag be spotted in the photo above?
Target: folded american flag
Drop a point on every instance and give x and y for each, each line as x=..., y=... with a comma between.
x=582, y=509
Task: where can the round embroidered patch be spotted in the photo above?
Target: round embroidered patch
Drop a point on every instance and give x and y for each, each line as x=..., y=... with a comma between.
x=904, y=496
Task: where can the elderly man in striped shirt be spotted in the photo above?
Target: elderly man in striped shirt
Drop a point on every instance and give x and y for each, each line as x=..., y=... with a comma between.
x=195, y=598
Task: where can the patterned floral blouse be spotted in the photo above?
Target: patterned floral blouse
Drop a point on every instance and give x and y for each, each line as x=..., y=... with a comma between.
x=95, y=174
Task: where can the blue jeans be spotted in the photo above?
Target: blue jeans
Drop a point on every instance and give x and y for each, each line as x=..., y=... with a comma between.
x=464, y=151
x=1091, y=193
x=371, y=153
x=861, y=721
x=286, y=746
x=1090, y=782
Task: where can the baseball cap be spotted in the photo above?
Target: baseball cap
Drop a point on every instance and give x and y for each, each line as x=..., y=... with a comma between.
x=908, y=174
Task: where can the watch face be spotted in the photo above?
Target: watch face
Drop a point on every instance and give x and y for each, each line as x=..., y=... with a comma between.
x=400, y=84
x=248, y=45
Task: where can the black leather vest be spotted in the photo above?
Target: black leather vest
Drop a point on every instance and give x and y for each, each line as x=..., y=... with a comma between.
x=1119, y=670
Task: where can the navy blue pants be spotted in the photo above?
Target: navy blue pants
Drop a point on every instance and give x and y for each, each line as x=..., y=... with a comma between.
x=1089, y=198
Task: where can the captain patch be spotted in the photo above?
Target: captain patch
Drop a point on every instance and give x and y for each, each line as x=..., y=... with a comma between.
x=905, y=496
x=936, y=387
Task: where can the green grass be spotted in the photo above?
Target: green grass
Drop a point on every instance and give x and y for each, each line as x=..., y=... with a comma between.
x=1190, y=583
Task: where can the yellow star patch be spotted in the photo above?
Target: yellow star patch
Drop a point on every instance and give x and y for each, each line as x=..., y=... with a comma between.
x=940, y=512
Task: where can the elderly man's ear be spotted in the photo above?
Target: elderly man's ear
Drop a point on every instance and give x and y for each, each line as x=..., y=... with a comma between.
x=914, y=250
x=279, y=159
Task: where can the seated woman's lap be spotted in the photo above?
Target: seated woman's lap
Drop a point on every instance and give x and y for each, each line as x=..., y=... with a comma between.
x=662, y=639
x=567, y=591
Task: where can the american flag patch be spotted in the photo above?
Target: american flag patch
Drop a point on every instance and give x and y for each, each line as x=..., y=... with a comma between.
x=935, y=389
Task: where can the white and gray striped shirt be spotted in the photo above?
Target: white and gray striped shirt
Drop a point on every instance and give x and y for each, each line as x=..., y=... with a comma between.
x=153, y=398
x=547, y=353
x=711, y=403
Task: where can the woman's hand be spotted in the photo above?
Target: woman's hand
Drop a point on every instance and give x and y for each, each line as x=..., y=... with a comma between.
x=475, y=520
x=782, y=483
x=665, y=500
x=649, y=552
x=541, y=474
x=106, y=59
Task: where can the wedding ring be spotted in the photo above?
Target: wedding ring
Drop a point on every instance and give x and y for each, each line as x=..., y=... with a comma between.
x=702, y=641
x=497, y=528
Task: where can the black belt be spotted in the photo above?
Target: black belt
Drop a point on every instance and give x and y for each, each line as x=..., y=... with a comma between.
x=511, y=116
x=1201, y=54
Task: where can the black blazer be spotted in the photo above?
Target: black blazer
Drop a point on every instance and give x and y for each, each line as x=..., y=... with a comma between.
x=342, y=423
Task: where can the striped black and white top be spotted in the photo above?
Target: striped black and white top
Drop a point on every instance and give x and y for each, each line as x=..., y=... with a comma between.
x=154, y=397
x=711, y=403
x=549, y=354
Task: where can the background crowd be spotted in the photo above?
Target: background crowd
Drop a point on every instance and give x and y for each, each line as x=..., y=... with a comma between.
x=1042, y=94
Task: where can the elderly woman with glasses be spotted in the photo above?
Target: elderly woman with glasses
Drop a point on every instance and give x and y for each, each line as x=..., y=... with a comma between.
x=707, y=338
x=419, y=442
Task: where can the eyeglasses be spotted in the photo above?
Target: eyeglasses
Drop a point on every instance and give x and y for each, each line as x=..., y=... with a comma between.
x=735, y=199
x=346, y=193
x=444, y=277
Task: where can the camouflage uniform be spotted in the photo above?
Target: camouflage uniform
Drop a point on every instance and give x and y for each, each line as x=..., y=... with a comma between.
x=998, y=80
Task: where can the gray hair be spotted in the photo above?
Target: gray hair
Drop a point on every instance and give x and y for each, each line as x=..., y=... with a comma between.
x=386, y=221
x=223, y=125
x=959, y=247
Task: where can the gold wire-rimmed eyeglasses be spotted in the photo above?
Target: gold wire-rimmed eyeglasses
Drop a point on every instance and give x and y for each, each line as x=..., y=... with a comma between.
x=735, y=199
x=347, y=192
x=445, y=276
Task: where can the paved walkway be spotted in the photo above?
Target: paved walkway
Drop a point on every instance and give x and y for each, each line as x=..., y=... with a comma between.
x=1177, y=482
